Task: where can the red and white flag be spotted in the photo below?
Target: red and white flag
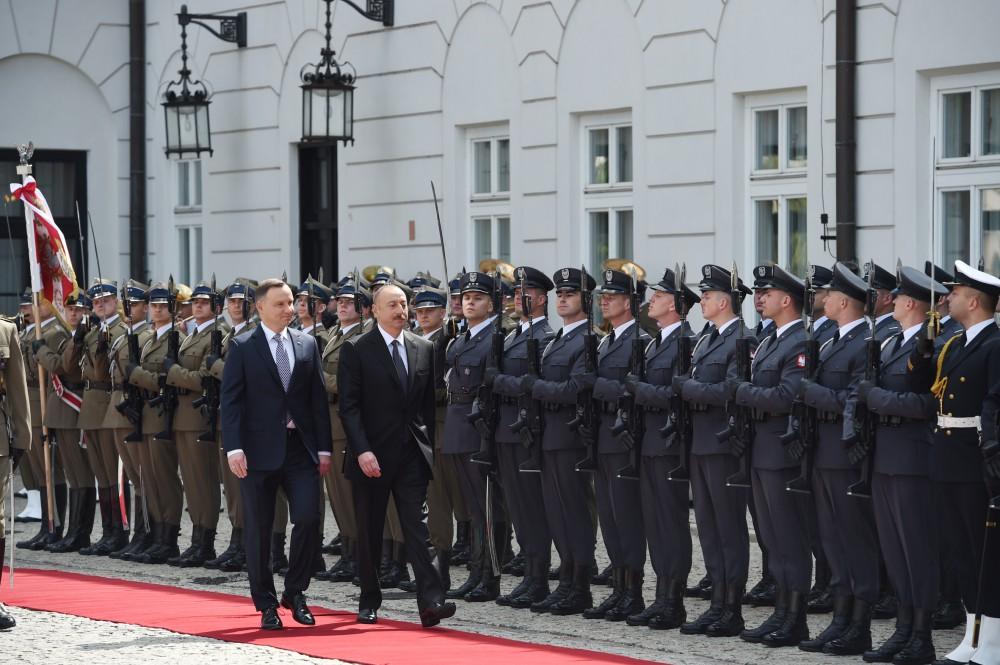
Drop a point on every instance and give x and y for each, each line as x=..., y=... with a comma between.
x=52, y=273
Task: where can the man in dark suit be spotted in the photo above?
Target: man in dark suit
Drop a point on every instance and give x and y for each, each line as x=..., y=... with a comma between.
x=276, y=431
x=387, y=406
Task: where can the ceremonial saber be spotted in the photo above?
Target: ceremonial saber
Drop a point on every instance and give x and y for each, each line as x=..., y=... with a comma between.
x=122, y=503
x=437, y=213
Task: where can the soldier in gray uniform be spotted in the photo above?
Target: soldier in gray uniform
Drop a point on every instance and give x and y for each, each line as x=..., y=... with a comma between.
x=823, y=327
x=467, y=357
x=885, y=282
x=720, y=511
x=846, y=524
x=619, y=504
x=963, y=376
x=665, y=503
x=902, y=495
x=566, y=492
x=778, y=367
x=523, y=490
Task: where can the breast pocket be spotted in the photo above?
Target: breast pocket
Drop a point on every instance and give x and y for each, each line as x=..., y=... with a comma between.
x=659, y=375
x=711, y=371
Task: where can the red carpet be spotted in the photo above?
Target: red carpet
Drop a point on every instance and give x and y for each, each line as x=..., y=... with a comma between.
x=231, y=618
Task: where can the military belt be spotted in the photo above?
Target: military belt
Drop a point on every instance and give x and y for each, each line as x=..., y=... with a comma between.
x=952, y=422
x=653, y=409
x=896, y=421
x=461, y=398
x=97, y=385
x=609, y=407
x=829, y=416
x=73, y=386
x=507, y=399
x=555, y=406
x=699, y=408
x=764, y=416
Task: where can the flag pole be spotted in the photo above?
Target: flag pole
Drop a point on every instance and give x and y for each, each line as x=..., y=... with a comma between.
x=24, y=170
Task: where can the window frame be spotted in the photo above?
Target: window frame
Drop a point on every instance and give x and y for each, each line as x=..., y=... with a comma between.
x=784, y=227
x=975, y=190
x=614, y=252
x=495, y=204
x=495, y=236
x=194, y=183
x=492, y=136
x=782, y=102
x=188, y=260
x=611, y=124
x=975, y=88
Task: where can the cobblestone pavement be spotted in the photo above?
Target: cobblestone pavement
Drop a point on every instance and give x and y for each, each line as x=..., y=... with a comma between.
x=486, y=618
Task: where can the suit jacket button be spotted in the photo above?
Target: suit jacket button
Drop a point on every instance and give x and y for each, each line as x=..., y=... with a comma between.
x=961, y=379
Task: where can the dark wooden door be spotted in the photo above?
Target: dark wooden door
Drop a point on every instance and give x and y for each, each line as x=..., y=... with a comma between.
x=318, y=211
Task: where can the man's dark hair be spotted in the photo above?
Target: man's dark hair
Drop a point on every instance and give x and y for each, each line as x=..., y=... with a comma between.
x=267, y=285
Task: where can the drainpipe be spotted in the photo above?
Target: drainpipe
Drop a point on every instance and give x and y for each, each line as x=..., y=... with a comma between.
x=847, y=149
x=137, y=139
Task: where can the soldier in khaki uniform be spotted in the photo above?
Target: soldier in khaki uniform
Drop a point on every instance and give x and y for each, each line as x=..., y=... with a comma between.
x=36, y=458
x=15, y=437
x=61, y=412
x=239, y=303
x=133, y=453
x=24, y=319
x=164, y=496
x=199, y=460
x=311, y=324
x=338, y=488
x=90, y=350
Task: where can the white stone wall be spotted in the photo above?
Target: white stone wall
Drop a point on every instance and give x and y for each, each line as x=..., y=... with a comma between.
x=681, y=69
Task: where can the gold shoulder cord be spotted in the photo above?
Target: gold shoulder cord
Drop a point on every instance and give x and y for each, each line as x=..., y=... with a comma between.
x=941, y=382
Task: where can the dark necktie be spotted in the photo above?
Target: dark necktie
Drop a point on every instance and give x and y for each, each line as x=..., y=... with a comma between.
x=898, y=343
x=611, y=338
x=281, y=360
x=397, y=360
x=468, y=336
x=836, y=337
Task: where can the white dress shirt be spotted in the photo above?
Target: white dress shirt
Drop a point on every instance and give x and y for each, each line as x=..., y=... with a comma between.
x=389, y=339
x=971, y=333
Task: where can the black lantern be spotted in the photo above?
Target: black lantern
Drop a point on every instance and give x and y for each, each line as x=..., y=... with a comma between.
x=328, y=96
x=185, y=102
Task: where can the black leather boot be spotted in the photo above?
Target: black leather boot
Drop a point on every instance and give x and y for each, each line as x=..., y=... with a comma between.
x=631, y=601
x=842, y=603
x=235, y=545
x=105, y=505
x=165, y=547
x=821, y=596
x=537, y=570
x=655, y=608
x=202, y=553
x=899, y=638
x=527, y=581
x=696, y=590
x=334, y=547
x=195, y=543
x=88, y=511
x=673, y=614
x=72, y=532
x=887, y=604
x=396, y=571
x=605, y=577
x=920, y=649
x=856, y=639
x=617, y=591
x=794, y=628
x=460, y=551
x=770, y=624
x=442, y=563
x=709, y=616
x=148, y=541
x=578, y=599
x=344, y=570
x=139, y=534
x=6, y=620
x=43, y=525
x=950, y=612
x=54, y=536
x=764, y=593
x=562, y=589
x=279, y=560
x=119, y=534
x=731, y=623
x=477, y=557
x=488, y=588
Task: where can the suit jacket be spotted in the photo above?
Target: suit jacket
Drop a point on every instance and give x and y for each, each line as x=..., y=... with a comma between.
x=841, y=366
x=778, y=367
x=516, y=365
x=655, y=393
x=379, y=414
x=254, y=404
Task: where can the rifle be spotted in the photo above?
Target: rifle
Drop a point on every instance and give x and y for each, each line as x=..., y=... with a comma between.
x=132, y=402
x=866, y=422
x=587, y=414
x=486, y=409
x=741, y=430
x=358, y=306
x=529, y=423
x=630, y=416
x=680, y=422
x=167, y=399
x=211, y=396
x=801, y=441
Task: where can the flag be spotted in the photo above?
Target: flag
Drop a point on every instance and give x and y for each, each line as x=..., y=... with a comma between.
x=52, y=273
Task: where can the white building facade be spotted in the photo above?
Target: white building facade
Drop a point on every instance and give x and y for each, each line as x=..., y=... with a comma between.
x=557, y=133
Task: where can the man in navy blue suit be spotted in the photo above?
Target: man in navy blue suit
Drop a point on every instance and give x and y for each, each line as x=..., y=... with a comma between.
x=276, y=429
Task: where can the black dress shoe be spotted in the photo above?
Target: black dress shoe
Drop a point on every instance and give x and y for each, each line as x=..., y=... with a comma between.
x=269, y=619
x=367, y=616
x=432, y=614
x=300, y=611
x=949, y=614
x=6, y=620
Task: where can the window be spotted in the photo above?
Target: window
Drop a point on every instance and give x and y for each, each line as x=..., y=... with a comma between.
x=189, y=185
x=190, y=254
x=491, y=167
x=780, y=232
x=970, y=124
x=780, y=138
x=965, y=109
x=492, y=238
x=489, y=192
x=609, y=156
x=610, y=236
